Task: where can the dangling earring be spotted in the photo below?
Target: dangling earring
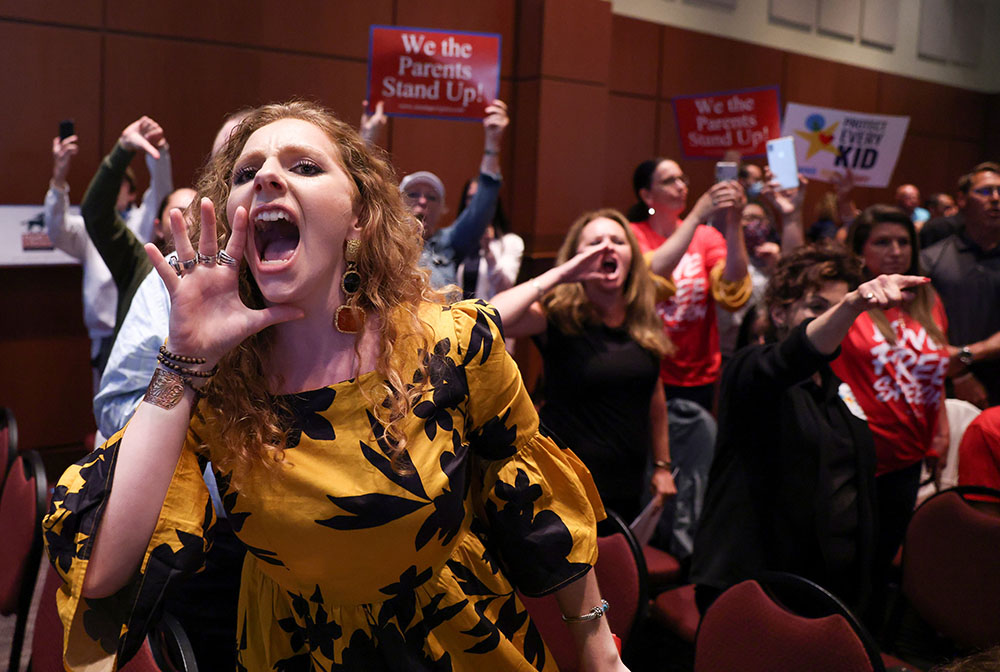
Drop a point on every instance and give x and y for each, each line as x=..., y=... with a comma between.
x=652, y=212
x=349, y=319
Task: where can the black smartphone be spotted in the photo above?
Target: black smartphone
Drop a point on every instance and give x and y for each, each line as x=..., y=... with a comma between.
x=66, y=129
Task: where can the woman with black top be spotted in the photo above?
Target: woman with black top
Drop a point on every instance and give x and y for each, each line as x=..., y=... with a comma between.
x=593, y=318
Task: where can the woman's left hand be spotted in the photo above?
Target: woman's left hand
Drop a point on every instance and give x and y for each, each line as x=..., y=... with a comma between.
x=662, y=485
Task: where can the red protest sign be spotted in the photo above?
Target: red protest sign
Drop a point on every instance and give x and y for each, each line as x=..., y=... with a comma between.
x=418, y=72
x=712, y=124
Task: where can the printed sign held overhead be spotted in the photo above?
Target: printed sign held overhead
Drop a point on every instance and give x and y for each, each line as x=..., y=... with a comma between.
x=830, y=141
x=418, y=72
x=712, y=124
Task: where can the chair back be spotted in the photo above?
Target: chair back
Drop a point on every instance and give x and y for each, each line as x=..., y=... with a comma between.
x=22, y=505
x=960, y=415
x=166, y=649
x=951, y=568
x=749, y=629
x=8, y=442
x=621, y=575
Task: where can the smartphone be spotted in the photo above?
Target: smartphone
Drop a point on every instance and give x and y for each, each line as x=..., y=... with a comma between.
x=726, y=170
x=66, y=129
x=781, y=159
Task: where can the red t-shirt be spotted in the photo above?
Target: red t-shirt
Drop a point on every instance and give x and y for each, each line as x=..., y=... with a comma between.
x=979, y=452
x=899, y=387
x=689, y=315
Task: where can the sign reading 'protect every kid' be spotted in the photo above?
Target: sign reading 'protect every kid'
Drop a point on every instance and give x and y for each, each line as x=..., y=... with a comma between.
x=417, y=72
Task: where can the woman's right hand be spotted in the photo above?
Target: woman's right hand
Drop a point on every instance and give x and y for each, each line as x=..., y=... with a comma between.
x=207, y=316
x=720, y=196
x=885, y=291
x=585, y=265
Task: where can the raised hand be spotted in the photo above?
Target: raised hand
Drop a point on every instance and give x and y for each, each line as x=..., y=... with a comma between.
x=495, y=123
x=585, y=265
x=207, y=316
x=719, y=197
x=787, y=201
x=62, y=152
x=144, y=134
x=373, y=125
x=886, y=291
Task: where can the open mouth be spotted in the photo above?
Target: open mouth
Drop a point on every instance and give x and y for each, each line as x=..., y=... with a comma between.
x=609, y=265
x=275, y=236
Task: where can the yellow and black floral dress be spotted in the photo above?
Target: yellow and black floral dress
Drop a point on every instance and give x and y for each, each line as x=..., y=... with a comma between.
x=353, y=565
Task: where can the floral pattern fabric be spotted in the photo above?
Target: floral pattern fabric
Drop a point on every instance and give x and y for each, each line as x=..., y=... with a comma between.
x=352, y=564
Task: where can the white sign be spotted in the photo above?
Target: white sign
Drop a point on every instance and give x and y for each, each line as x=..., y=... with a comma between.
x=828, y=142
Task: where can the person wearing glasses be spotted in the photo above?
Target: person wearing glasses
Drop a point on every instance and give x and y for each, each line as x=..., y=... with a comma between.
x=965, y=270
x=423, y=193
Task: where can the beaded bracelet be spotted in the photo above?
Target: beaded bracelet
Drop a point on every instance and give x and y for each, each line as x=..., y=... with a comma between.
x=185, y=371
x=591, y=615
x=181, y=358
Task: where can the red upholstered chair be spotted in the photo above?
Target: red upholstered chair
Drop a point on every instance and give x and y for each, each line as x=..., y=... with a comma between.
x=8, y=442
x=22, y=506
x=749, y=630
x=951, y=566
x=167, y=648
x=621, y=575
x=662, y=568
x=676, y=610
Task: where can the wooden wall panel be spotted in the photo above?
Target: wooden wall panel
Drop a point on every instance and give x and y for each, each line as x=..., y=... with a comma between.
x=635, y=56
x=577, y=40
x=631, y=125
x=305, y=26
x=693, y=63
x=198, y=84
x=816, y=82
x=45, y=355
x=928, y=105
x=85, y=13
x=50, y=74
x=571, y=169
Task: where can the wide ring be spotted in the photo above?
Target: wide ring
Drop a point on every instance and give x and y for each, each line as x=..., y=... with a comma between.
x=176, y=265
x=223, y=258
x=205, y=259
x=869, y=296
x=188, y=264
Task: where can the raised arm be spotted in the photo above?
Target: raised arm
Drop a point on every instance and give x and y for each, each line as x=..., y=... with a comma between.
x=207, y=319
x=788, y=203
x=161, y=183
x=736, y=249
x=464, y=234
x=665, y=258
x=373, y=125
x=118, y=246
x=886, y=291
x=520, y=307
x=67, y=232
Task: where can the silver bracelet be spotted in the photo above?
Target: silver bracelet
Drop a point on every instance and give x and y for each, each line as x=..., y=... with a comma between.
x=538, y=288
x=592, y=615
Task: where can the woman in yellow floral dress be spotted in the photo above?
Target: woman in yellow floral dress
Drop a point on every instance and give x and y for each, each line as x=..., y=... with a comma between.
x=375, y=448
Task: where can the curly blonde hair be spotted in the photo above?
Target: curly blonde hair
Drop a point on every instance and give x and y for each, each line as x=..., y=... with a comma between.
x=251, y=423
x=570, y=309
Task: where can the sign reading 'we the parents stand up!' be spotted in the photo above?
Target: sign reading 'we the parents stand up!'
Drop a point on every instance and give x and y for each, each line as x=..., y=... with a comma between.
x=417, y=72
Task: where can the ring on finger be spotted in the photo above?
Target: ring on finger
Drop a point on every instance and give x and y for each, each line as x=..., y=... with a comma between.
x=176, y=265
x=206, y=259
x=223, y=258
x=869, y=296
x=188, y=264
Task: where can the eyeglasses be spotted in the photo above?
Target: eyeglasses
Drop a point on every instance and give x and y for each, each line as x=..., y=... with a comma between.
x=988, y=190
x=677, y=179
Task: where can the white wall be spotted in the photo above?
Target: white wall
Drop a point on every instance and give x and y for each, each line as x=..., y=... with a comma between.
x=952, y=31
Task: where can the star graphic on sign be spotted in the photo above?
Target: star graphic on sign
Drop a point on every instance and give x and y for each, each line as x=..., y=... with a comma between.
x=820, y=139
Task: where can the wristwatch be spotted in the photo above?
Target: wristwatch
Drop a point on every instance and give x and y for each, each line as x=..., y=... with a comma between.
x=965, y=355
